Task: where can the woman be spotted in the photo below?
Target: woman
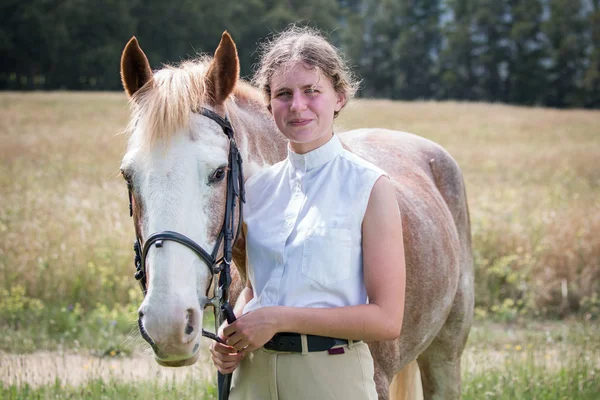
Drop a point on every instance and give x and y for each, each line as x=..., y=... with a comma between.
x=324, y=244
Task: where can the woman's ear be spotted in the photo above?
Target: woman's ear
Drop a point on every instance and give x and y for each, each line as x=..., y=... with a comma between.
x=341, y=102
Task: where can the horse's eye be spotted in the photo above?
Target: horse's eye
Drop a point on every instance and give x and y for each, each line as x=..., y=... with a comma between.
x=218, y=175
x=126, y=177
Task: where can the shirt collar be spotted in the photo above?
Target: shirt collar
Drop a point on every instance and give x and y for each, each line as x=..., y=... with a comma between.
x=317, y=157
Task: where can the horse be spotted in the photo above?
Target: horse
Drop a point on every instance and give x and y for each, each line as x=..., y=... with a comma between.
x=175, y=166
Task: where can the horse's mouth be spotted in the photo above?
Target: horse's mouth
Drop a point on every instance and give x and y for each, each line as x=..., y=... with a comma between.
x=179, y=363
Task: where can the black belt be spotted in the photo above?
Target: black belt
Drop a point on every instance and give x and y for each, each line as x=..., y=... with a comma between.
x=292, y=342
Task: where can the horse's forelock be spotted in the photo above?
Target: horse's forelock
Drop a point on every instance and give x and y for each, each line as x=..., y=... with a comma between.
x=162, y=110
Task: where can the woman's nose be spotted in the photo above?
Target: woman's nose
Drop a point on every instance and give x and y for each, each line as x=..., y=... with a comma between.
x=298, y=102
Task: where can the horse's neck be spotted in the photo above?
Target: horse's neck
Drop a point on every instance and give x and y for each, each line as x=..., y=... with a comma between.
x=263, y=145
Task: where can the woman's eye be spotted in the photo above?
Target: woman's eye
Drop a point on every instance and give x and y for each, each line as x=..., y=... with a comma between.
x=218, y=175
x=311, y=91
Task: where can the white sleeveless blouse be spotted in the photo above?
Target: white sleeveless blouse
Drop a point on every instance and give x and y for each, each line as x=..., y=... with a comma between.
x=304, y=217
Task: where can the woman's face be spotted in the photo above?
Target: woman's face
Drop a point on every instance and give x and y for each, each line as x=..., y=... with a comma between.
x=303, y=102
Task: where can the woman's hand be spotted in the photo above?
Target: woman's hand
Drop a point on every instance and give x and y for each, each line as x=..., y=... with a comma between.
x=252, y=330
x=225, y=357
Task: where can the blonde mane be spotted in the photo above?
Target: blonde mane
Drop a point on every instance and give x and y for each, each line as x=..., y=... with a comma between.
x=162, y=107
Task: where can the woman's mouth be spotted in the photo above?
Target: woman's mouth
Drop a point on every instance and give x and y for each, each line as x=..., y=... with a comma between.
x=299, y=122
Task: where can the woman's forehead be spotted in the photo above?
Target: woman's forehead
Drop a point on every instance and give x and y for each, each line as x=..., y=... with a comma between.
x=297, y=74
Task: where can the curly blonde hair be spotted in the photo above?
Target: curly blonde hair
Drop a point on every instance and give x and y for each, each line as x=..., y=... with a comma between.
x=308, y=46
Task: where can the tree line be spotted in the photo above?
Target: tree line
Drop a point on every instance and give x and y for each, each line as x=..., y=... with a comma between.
x=532, y=52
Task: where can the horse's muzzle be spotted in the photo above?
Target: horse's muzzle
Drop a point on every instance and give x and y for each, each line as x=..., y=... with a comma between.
x=179, y=363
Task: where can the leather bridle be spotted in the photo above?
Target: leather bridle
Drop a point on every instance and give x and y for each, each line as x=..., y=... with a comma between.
x=222, y=266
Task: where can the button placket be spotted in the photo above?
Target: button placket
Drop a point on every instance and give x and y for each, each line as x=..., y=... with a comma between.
x=291, y=215
x=271, y=291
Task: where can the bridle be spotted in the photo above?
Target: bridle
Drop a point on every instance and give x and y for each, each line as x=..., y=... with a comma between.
x=222, y=266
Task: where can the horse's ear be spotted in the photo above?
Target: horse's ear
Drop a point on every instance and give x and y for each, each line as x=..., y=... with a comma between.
x=224, y=71
x=135, y=68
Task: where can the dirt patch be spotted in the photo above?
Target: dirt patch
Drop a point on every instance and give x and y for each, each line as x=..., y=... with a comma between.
x=43, y=368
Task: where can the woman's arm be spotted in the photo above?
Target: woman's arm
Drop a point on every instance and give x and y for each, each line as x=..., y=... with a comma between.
x=385, y=281
x=245, y=296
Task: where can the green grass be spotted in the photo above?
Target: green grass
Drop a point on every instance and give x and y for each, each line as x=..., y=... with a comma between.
x=113, y=389
x=526, y=380
x=532, y=360
x=99, y=331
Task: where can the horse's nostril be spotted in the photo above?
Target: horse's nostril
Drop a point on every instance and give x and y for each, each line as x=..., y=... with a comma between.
x=140, y=314
x=189, y=328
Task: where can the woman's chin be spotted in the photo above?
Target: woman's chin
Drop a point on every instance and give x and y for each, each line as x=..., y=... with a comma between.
x=179, y=363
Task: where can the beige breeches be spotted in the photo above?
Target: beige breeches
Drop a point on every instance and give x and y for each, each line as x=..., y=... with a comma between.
x=269, y=375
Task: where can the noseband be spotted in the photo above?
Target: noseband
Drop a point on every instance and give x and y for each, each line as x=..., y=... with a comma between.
x=222, y=266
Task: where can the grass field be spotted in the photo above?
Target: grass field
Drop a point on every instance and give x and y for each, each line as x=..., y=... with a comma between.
x=533, y=184
x=541, y=360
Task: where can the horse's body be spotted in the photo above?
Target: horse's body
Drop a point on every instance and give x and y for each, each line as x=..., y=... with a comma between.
x=172, y=148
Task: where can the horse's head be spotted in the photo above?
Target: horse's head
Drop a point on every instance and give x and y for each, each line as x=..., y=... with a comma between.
x=176, y=167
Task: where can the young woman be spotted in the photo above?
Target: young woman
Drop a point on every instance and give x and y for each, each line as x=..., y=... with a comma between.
x=324, y=244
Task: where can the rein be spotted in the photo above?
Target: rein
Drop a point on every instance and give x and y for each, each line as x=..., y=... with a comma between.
x=221, y=267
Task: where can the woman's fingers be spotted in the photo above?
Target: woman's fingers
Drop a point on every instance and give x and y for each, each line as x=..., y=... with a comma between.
x=225, y=358
x=224, y=352
x=227, y=330
x=235, y=357
x=225, y=367
x=221, y=330
x=237, y=341
x=223, y=363
x=222, y=348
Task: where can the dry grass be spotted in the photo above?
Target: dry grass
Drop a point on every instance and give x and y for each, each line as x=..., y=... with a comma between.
x=64, y=220
x=532, y=178
x=44, y=368
x=533, y=185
